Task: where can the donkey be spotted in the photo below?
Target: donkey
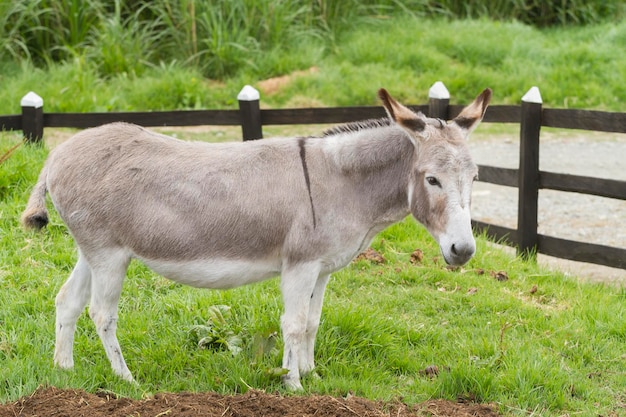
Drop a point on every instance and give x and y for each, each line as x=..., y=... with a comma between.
x=229, y=214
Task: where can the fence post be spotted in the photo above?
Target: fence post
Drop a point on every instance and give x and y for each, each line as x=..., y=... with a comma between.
x=32, y=117
x=249, y=109
x=529, y=173
x=438, y=101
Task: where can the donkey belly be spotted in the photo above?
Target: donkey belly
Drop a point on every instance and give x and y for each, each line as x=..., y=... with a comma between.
x=215, y=273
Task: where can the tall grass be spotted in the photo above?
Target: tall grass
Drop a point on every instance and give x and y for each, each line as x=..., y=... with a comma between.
x=221, y=36
x=45, y=31
x=218, y=37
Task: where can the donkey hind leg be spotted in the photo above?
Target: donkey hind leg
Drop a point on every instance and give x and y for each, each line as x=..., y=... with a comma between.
x=70, y=303
x=106, y=286
x=297, y=284
x=312, y=324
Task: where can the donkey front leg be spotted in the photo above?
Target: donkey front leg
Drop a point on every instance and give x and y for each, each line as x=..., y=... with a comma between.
x=297, y=284
x=70, y=303
x=312, y=324
x=107, y=279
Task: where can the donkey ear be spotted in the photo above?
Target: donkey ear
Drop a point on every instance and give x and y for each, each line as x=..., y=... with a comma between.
x=403, y=116
x=471, y=115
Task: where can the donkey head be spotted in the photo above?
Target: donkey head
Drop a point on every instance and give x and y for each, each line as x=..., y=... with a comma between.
x=440, y=184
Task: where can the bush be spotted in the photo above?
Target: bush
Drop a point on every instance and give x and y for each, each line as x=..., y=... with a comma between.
x=541, y=13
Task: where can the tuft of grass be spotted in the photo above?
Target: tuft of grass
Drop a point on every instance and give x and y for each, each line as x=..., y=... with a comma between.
x=46, y=31
x=532, y=341
x=123, y=45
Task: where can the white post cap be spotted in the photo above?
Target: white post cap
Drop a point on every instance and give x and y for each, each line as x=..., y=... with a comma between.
x=31, y=100
x=248, y=93
x=439, y=91
x=532, y=96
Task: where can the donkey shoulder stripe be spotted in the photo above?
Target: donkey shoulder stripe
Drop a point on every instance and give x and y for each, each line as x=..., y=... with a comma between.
x=307, y=179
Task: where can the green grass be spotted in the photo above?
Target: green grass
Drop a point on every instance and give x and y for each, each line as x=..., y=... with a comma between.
x=574, y=67
x=554, y=351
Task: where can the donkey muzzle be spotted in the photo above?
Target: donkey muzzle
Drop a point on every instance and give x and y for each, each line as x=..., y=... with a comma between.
x=459, y=253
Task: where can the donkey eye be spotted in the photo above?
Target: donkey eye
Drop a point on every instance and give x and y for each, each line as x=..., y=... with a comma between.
x=433, y=181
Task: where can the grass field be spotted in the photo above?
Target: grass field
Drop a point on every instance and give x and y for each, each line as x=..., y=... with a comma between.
x=498, y=330
x=577, y=67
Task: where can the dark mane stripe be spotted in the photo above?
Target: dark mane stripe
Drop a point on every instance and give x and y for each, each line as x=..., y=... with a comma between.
x=357, y=126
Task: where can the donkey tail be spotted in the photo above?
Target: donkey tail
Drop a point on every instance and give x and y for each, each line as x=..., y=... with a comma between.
x=35, y=216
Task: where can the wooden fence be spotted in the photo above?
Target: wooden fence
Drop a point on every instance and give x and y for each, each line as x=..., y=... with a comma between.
x=530, y=115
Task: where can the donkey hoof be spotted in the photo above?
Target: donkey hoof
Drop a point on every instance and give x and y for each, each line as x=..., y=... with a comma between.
x=63, y=362
x=128, y=378
x=292, y=384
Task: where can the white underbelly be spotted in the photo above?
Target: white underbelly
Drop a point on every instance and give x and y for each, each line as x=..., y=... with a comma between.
x=215, y=273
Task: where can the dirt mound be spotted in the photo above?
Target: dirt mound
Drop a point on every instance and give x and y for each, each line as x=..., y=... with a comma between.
x=273, y=85
x=71, y=403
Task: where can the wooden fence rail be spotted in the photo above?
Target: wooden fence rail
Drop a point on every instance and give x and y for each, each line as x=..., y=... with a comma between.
x=530, y=115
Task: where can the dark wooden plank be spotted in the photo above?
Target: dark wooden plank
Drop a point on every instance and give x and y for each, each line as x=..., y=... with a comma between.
x=499, y=176
x=562, y=118
x=499, y=234
x=582, y=252
x=585, y=120
x=327, y=115
x=11, y=122
x=494, y=114
x=167, y=118
x=559, y=248
x=584, y=185
x=424, y=108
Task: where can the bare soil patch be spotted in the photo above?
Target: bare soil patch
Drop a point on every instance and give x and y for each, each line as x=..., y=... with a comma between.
x=75, y=403
x=273, y=85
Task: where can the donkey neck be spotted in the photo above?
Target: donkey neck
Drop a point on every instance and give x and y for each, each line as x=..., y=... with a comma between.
x=378, y=163
x=370, y=150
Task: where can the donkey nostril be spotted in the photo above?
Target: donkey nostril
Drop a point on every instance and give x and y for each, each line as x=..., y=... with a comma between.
x=461, y=250
x=459, y=253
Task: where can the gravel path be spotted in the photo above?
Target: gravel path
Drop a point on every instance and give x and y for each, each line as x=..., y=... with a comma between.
x=566, y=215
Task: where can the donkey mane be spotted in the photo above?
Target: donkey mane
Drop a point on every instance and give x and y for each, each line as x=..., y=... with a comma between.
x=357, y=126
